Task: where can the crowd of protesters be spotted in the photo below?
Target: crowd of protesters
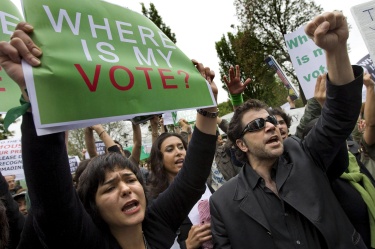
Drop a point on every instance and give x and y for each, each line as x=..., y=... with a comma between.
x=262, y=188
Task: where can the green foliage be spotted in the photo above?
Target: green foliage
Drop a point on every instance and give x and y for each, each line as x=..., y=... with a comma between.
x=4, y=134
x=263, y=26
x=245, y=49
x=225, y=108
x=154, y=16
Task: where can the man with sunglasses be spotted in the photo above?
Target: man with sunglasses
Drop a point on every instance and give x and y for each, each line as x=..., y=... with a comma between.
x=282, y=197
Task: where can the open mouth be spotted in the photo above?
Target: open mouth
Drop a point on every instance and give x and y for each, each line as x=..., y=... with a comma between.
x=179, y=161
x=130, y=206
x=273, y=139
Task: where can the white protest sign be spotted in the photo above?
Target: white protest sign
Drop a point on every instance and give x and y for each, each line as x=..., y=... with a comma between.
x=296, y=115
x=73, y=163
x=167, y=118
x=100, y=147
x=308, y=60
x=11, y=158
x=364, y=16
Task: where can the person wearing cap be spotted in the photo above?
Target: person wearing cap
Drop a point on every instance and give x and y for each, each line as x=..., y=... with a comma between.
x=20, y=198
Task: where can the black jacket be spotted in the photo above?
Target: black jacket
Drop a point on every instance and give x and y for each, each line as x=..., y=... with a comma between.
x=237, y=218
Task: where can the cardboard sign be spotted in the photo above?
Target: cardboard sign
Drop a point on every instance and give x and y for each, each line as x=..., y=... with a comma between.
x=364, y=17
x=9, y=91
x=308, y=60
x=11, y=158
x=102, y=62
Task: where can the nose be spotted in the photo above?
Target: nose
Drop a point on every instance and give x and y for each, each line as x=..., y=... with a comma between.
x=270, y=126
x=125, y=189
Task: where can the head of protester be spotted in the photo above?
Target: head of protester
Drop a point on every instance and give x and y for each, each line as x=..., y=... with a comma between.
x=166, y=160
x=283, y=119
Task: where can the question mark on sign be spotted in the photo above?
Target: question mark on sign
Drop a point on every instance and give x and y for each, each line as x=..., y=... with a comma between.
x=1, y=88
x=186, y=77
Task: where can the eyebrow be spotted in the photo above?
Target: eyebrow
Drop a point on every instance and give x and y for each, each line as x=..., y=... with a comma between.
x=115, y=178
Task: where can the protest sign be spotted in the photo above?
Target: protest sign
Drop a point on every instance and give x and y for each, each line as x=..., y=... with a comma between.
x=188, y=115
x=369, y=67
x=73, y=163
x=296, y=115
x=364, y=15
x=117, y=65
x=9, y=91
x=11, y=158
x=308, y=60
x=100, y=147
x=292, y=90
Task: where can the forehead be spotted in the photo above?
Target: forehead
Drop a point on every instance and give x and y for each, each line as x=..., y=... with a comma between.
x=279, y=118
x=117, y=172
x=171, y=141
x=10, y=177
x=253, y=114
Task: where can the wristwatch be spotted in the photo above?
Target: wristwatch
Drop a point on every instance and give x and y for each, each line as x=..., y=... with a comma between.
x=208, y=114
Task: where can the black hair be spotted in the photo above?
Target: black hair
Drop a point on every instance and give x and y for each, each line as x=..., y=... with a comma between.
x=94, y=175
x=158, y=180
x=235, y=125
x=278, y=111
x=4, y=227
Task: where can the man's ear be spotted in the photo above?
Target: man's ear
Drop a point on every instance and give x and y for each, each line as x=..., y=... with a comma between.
x=242, y=145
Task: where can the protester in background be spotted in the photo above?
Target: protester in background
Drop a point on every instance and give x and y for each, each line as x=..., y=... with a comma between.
x=166, y=160
x=354, y=189
x=114, y=212
x=20, y=198
x=13, y=186
x=282, y=198
x=14, y=219
x=365, y=129
x=283, y=119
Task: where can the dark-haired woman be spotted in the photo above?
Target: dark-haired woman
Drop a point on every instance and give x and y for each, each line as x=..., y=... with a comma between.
x=111, y=210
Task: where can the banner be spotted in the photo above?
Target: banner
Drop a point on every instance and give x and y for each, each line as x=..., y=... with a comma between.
x=308, y=60
x=369, y=67
x=102, y=62
x=9, y=91
x=363, y=15
x=11, y=158
x=73, y=162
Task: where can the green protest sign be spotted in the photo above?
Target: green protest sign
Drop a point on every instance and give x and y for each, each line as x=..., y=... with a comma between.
x=101, y=61
x=9, y=91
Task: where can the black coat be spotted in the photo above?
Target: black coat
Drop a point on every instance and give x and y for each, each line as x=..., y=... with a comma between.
x=237, y=218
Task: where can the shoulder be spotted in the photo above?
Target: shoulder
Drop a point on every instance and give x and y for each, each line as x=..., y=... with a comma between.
x=227, y=190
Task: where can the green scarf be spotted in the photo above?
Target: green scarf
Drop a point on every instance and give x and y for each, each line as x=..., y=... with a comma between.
x=366, y=189
x=16, y=112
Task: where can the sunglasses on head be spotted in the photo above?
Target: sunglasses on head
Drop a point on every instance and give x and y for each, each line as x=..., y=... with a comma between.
x=259, y=123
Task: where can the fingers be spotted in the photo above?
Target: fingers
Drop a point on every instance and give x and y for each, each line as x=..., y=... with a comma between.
x=24, y=26
x=26, y=47
x=367, y=81
x=247, y=82
x=8, y=53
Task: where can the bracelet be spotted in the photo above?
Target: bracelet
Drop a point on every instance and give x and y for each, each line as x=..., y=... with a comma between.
x=236, y=99
x=208, y=114
x=101, y=133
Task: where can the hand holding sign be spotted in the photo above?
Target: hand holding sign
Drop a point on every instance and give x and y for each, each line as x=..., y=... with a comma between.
x=19, y=47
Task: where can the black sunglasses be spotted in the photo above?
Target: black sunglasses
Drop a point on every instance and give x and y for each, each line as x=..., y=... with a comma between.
x=259, y=123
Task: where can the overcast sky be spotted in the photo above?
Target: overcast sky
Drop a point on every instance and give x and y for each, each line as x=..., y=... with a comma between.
x=198, y=24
